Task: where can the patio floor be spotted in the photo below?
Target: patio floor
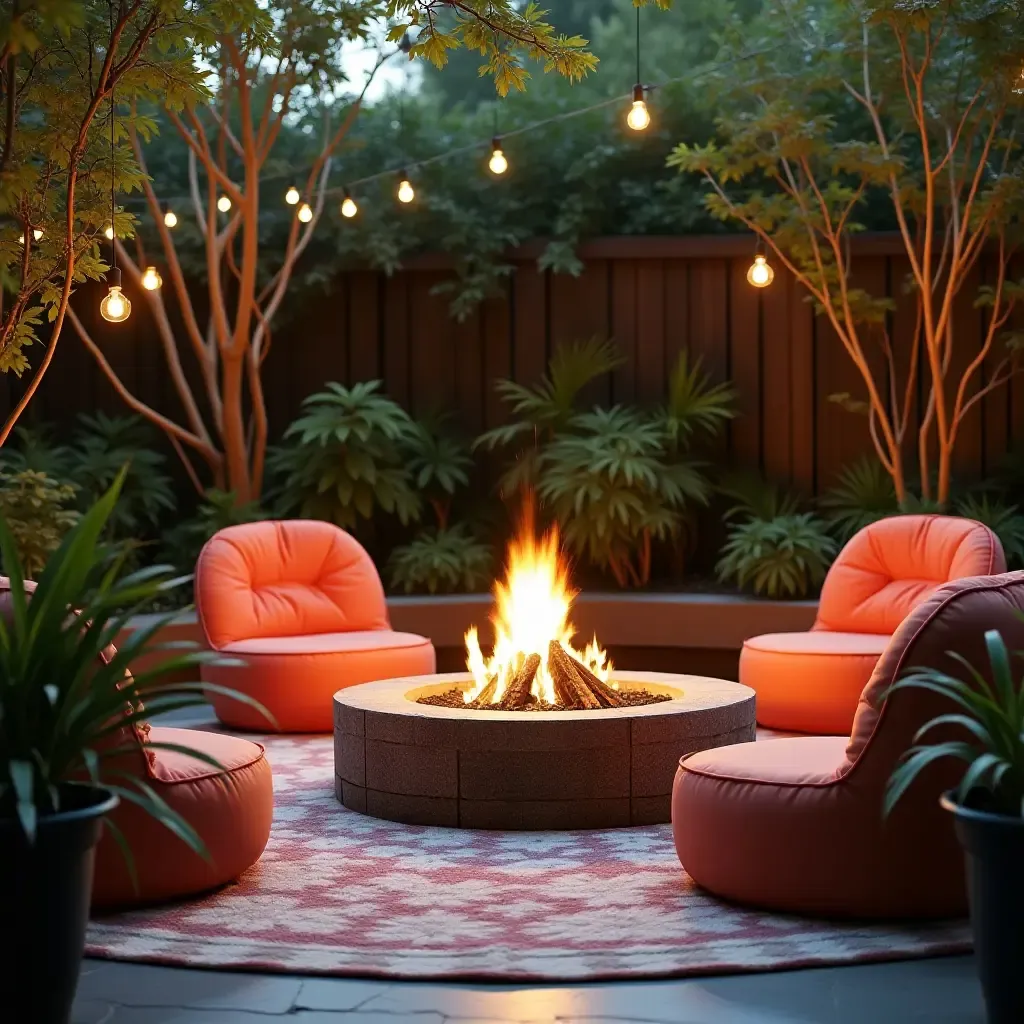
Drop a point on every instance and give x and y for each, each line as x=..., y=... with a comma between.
x=938, y=991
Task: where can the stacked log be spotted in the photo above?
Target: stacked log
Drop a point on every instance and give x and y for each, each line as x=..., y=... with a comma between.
x=575, y=685
x=517, y=693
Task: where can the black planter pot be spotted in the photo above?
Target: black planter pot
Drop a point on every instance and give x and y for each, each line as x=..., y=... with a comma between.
x=994, y=848
x=44, y=904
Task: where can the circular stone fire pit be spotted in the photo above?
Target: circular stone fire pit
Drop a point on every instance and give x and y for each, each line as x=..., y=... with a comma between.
x=428, y=765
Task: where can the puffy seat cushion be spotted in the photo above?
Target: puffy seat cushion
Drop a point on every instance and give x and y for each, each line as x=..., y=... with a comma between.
x=785, y=824
x=809, y=682
x=296, y=677
x=231, y=808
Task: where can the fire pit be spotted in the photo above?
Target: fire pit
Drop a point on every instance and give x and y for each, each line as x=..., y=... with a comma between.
x=540, y=735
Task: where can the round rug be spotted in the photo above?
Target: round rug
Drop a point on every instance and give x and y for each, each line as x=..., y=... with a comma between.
x=337, y=892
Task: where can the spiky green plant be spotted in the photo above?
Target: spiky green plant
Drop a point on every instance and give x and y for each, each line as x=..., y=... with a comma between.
x=990, y=719
x=442, y=561
x=785, y=556
x=63, y=702
x=439, y=462
x=696, y=405
x=343, y=457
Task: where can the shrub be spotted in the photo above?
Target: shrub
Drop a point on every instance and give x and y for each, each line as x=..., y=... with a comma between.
x=442, y=561
x=38, y=514
x=216, y=511
x=781, y=557
x=439, y=464
x=863, y=494
x=1004, y=520
x=343, y=458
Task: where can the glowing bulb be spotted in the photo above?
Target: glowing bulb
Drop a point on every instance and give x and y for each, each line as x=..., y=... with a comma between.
x=498, y=162
x=348, y=206
x=171, y=219
x=223, y=204
x=151, y=279
x=760, y=274
x=37, y=233
x=305, y=213
x=115, y=306
x=109, y=232
x=291, y=197
x=406, y=193
x=638, y=117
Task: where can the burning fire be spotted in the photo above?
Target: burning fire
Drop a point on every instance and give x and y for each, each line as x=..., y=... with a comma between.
x=532, y=608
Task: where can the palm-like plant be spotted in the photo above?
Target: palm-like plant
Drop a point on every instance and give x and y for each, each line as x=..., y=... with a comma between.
x=345, y=458
x=439, y=464
x=990, y=720
x=543, y=409
x=862, y=495
x=614, y=487
x=695, y=404
x=64, y=700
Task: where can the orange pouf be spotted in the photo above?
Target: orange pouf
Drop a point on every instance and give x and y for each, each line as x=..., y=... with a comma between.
x=299, y=604
x=231, y=809
x=811, y=682
x=797, y=825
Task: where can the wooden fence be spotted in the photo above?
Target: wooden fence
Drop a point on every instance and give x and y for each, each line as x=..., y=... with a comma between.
x=655, y=296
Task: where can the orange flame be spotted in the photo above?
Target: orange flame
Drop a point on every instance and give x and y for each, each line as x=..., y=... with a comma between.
x=532, y=608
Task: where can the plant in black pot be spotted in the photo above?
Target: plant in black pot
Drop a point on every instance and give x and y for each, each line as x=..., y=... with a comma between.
x=986, y=731
x=65, y=699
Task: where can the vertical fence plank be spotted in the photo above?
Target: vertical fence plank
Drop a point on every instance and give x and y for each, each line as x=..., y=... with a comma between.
x=777, y=350
x=468, y=352
x=803, y=395
x=578, y=310
x=624, y=328
x=677, y=312
x=967, y=327
x=996, y=404
x=364, y=341
x=709, y=334
x=905, y=335
x=431, y=347
x=745, y=360
x=497, y=361
x=530, y=340
x=396, y=338
x=650, y=331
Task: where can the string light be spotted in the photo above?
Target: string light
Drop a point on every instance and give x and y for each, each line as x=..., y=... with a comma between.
x=151, y=279
x=223, y=204
x=760, y=274
x=291, y=197
x=305, y=213
x=171, y=218
x=498, y=162
x=406, y=193
x=348, y=206
x=639, y=116
x=114, y=306
x=37, y=233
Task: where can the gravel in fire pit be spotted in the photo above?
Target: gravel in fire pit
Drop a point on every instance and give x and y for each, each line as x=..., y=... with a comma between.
x=453, y=699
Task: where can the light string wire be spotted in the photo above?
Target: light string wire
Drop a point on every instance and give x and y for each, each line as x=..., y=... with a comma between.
x=476, y=146
x=113, y=197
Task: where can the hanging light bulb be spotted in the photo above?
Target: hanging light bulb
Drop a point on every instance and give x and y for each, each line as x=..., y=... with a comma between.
x=348, y=206
x=760, y=274
x=151, y=279
x=109, y=232
x=406, y=193
x=305, y=213
x=223, y=204
x=498, y=162
x=291, y=197
x=115, y=306
x=639, y=117
x=171, y=219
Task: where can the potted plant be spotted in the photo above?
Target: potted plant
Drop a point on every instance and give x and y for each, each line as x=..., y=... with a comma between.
x=988, y=807
x=65, y=699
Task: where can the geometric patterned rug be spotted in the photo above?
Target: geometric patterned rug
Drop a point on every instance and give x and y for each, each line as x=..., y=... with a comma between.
x=339, y=893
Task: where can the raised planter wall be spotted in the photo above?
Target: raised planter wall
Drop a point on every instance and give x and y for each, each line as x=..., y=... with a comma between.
x=697, y=633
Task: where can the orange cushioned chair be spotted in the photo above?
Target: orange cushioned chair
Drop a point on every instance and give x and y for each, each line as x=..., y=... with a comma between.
x=810, y=682
x=796, y=824
x=301, y=604
x=231, y=808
